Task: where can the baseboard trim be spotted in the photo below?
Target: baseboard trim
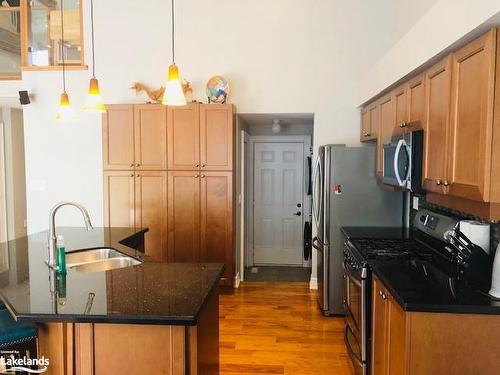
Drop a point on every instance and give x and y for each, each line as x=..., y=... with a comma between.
x=237, y=281
x=313, y=283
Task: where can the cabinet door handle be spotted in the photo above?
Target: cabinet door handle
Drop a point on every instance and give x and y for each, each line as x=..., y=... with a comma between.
x=132, y=164
x=202, y=176
x=131, y=175
x=446, y=183
x=367, y=134
x=137, y=175
x=380, y=293
x=196, y=165
x=196, y=176
x=439, y=182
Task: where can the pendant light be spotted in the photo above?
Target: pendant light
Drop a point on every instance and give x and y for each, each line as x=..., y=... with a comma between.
x=174, y=94
x=65, y=112
x=93, y=102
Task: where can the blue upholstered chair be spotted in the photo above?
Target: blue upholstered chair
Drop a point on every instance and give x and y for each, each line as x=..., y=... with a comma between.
x=16, y=336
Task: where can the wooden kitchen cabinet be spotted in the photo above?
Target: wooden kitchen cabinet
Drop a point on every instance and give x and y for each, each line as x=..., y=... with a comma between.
x=379, y=357
x=404, y=343
x=170, y=169
x=119, y=199
x=436, y=126
x=118, y=137
x=134, y=137
x=138, y=200
x=216, y=218
x=184, y=216
x=416, y=102
x=216, y=137
x=471, y=125
x=150, y=125
x=369, y=122
x=183, y=124
x=400, y=97
x=151, y=211
x=387, y=121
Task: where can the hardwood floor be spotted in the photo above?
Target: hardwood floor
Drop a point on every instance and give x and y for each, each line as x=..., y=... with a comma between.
x=276, y=328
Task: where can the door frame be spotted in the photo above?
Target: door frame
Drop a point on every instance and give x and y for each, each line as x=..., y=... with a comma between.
x=248, y=258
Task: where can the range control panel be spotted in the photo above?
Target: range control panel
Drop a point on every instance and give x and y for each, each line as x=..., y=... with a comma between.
x=434, y=224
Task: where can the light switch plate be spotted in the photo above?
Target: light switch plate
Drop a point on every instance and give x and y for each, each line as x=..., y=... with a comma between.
x=415, y=203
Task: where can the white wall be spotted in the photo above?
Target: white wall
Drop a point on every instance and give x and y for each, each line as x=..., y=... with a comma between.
x=444, y=23
x=15, y=182
x=286, y=56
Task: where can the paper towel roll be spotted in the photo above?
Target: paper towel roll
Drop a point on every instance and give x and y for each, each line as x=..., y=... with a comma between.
x=477, y=232
x=495, y=277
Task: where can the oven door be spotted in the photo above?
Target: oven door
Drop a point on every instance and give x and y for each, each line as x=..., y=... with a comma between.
x=355, y=336
x=397, y=163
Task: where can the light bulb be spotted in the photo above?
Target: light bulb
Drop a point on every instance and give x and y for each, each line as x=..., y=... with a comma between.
x=174, y=95
x=65, y=112
x=94, y=103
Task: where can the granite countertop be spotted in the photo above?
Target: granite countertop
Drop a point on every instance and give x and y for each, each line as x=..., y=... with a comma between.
x=418, y=284
x=150, y=293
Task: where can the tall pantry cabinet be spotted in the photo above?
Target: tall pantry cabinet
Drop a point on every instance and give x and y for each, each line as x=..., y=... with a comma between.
x=171, y=169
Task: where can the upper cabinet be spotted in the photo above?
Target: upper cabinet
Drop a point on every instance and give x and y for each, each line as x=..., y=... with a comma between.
x=150, y=137
x=471, y=130
x=118, y=137
x=387, y=121
x=184, y=137
x=370, y=121
x=216, y=137
x=200, y=137
x=436, y=126
x=457, y=103
x=416, y=101
x=135, y=137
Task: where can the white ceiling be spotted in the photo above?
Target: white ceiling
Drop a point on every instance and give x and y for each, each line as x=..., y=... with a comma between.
x=266, y=119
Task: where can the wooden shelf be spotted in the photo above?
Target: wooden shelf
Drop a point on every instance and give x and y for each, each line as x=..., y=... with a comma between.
x=53, y=68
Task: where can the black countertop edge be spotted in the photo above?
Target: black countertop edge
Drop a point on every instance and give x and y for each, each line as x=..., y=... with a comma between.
x=435, y=308
x=122, y=319
x=214, y=286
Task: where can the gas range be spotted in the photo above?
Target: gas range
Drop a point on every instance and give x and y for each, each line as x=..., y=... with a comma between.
x=428, y=265
x=381, y=249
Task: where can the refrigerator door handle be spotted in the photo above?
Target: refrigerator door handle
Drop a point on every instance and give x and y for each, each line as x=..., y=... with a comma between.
x=316, y=205
x=317, y=245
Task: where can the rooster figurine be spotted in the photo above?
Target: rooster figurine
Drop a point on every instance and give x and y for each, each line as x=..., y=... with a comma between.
x=156, y=96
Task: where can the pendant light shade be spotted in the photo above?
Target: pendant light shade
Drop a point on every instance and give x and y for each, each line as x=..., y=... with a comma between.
x=94, y=102
x=174, y=95
x=173, y=92
x=65, y=112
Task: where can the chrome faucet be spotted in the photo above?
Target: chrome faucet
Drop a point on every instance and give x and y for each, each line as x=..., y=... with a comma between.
x=52, y=228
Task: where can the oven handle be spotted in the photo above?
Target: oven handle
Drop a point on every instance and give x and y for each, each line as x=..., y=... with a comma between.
x=351, y=275
x=348, y=345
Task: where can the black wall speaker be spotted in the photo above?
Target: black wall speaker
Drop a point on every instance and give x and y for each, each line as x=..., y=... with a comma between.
x=24, y=97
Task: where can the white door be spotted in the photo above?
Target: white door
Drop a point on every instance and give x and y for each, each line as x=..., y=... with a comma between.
x=278, y=203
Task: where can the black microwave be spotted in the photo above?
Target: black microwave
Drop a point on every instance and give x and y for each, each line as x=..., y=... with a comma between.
x=403, y=158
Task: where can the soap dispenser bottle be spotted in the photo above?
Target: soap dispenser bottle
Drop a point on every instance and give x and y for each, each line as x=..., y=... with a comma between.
x=61, y=255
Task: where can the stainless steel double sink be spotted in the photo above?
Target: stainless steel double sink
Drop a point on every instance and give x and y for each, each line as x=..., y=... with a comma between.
x=99, y=260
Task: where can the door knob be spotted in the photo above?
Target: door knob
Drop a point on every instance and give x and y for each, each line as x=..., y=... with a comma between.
x=298, y=213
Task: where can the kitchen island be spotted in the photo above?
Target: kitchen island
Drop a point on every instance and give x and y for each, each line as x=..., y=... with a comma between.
x=157, y=318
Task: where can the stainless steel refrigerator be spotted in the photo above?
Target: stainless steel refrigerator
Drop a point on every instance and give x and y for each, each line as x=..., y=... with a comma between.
x=346, y=193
